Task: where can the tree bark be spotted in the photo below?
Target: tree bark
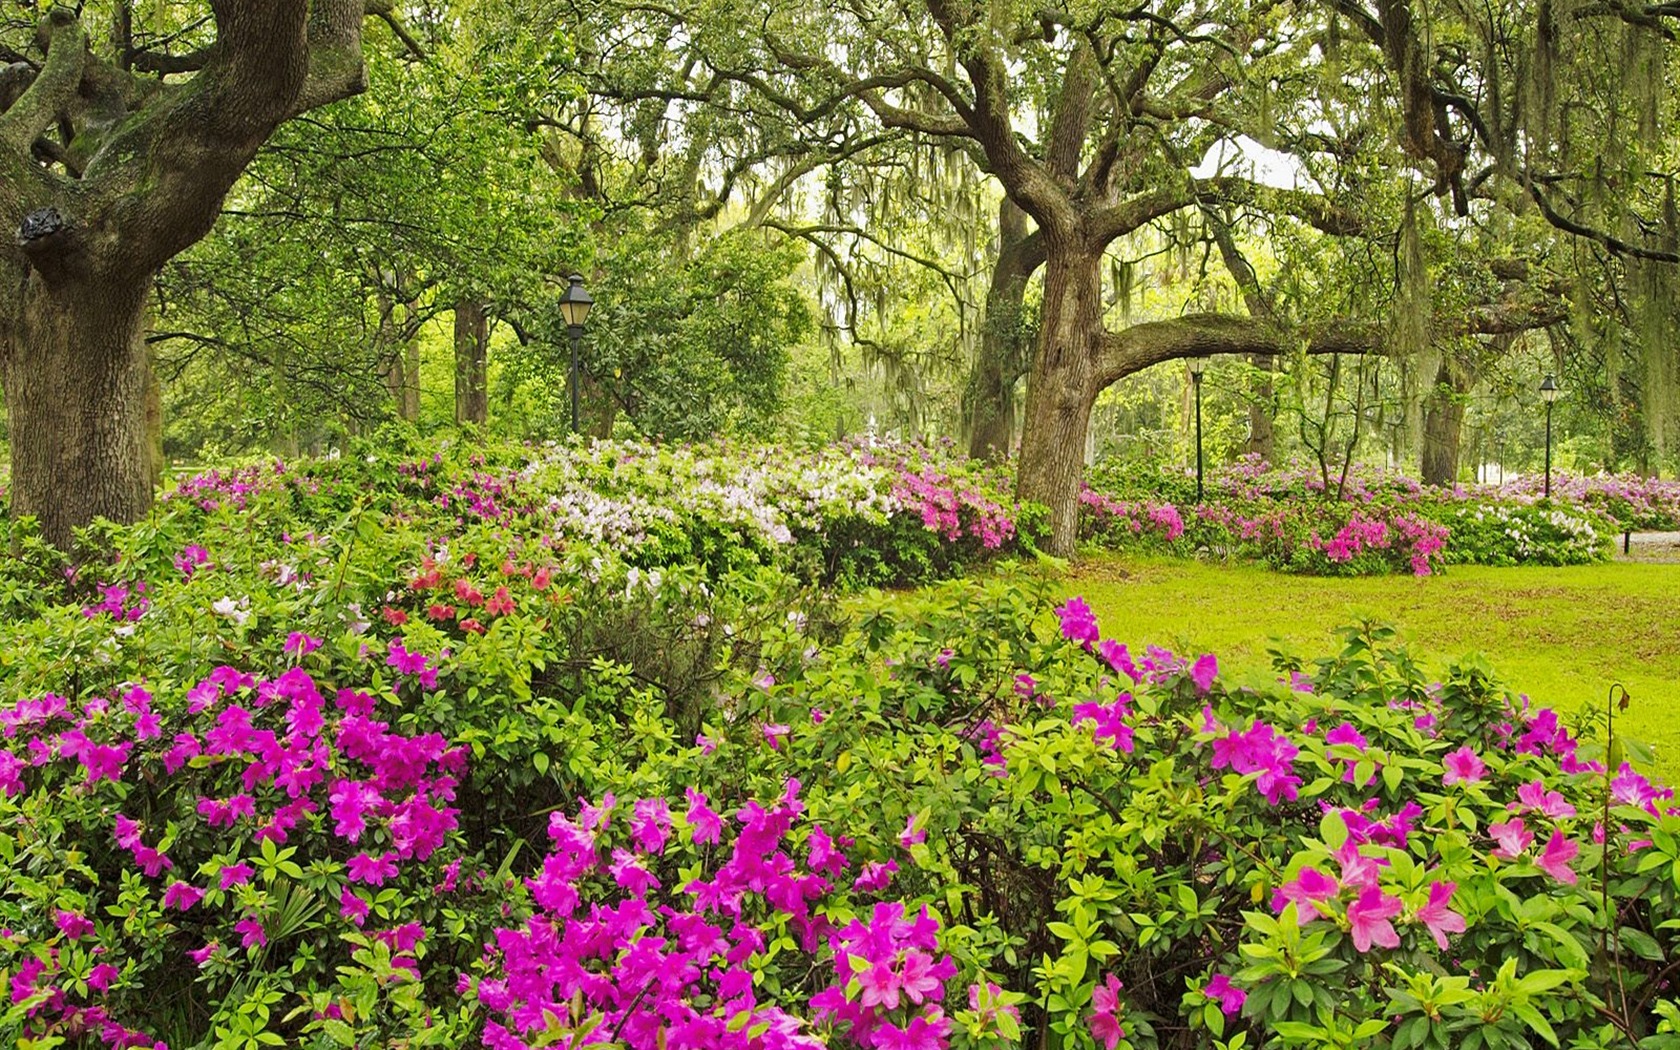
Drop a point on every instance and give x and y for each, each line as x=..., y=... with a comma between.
x=1063, y=386
x=989, y=396
x=472, y=339
x=409, y=409
x=1262, y=410
x=76, y=375
x=137, y=175
x=1443, y=425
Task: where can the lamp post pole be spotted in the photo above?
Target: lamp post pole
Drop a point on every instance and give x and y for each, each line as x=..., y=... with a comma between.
x=576, y=332
x=1197, y=365
x=1548, y=450
x=574, y=310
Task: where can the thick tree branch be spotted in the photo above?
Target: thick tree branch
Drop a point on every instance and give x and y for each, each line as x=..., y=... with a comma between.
x=1133, y=349
x=1612, y=244
x=53, y=89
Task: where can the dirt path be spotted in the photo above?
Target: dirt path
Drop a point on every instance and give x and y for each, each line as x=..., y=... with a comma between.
x=1651, y=546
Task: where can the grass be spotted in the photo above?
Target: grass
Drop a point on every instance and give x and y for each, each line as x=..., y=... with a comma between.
x=1560, y=635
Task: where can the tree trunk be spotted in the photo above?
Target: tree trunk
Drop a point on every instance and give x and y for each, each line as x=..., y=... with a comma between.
x=989, y=396
x=1443, y=425
x=1062, y=388
x=410, y=406
x=472, y=338
x=1262, y=411
x=76, y=376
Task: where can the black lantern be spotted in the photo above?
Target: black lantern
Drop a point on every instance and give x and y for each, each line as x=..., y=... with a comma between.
x=1549, y=393
x=574, y=308
x=1198, y=365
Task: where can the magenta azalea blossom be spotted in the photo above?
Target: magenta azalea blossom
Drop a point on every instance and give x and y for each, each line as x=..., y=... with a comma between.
x=1437, y=917
x=1109, y=721
x=252, y=933
x=101, y=976
x=1368, y=916
x=365, y=867
x=352, y=907
x=1306, y=891
x=706, y=825
x=1463, y=766
x=236, y=875
x=1204, y=671
x=1105, y=1013
x=1534, y=795
x=182, y=895
x=1119, y=658
x=1554, y=860
x=1229, y=996
x=1079, y=624
x=650, y=825
x=73, y=924
x=1512, y=837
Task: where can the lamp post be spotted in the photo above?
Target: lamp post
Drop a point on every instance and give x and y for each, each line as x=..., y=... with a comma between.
x=574, y=307
x=1197, y=366
x=1549, y=393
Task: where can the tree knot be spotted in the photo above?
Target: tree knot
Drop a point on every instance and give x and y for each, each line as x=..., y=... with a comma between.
x=41, y=224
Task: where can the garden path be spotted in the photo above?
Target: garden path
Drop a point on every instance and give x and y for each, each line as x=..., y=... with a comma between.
x=1652, y=546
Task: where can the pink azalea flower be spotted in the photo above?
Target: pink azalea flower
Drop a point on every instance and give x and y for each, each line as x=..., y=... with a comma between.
x=921, y=978
x=1554, y=860
x=200, y=956
x=1306, y=890
x=1079, y=624
x=1368, y=916
x=1105, y=1009
x=352, y=907
x=236, y=875
x=301, y=644
x=879, y=986
x=651, y=825
x=101, y=976
x=773, y=734
x=707, y=826
x=1512, y=837
x=182, y=895
x=1118, y=657
x=913, y=832
x=1228, y=995
x=1204, y=671
x=253, y=935
x=875, y=876
x=1437, y=917
x=365, y=867
x=73, y=924
x=1534, y=795
x=1463, y=766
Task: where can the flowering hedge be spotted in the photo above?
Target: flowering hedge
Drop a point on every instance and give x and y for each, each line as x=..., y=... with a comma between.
x=320, y=764
x=1384, y=523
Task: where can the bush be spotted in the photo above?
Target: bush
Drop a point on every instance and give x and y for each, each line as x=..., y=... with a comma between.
x=412, y=757
x=1384, y=522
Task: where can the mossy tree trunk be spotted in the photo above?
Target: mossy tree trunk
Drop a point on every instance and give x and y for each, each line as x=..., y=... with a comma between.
x=105, y=175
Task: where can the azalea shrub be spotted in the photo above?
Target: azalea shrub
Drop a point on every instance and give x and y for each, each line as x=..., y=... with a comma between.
x=487, y=748
x=1372, y=522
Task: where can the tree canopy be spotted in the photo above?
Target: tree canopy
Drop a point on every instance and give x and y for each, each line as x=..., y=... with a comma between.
x=960, y=219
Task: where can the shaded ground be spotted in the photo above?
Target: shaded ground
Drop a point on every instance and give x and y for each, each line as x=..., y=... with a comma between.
x=1560, y=635
x=1651, y=547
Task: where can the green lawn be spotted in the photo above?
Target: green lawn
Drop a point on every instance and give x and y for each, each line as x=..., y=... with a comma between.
x=1560, y=635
